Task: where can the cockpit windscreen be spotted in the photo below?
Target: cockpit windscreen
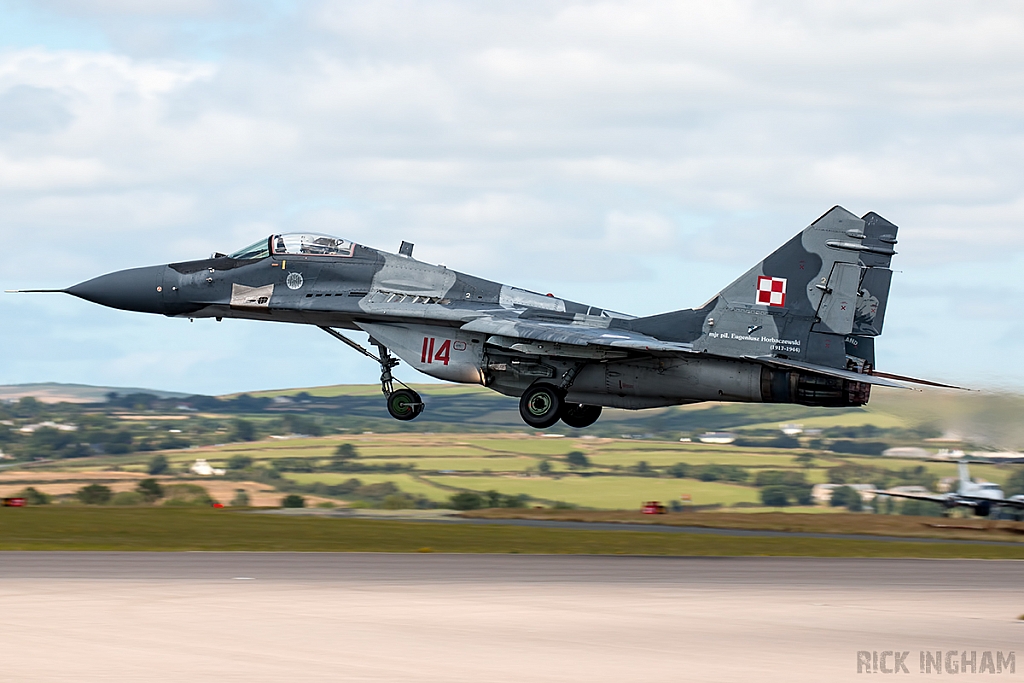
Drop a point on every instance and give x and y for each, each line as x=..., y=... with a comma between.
x=309, y=244
x=258, y=250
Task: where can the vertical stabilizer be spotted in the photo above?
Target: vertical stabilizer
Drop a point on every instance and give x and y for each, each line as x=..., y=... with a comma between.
x=965, y=477
x=819, y=298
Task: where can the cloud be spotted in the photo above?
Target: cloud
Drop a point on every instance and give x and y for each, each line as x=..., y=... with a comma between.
x=628, y=150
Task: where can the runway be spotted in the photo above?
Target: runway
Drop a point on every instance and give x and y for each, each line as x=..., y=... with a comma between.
x=380, y=617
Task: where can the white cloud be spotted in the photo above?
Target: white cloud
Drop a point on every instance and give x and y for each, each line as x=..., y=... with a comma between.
x=594, y=147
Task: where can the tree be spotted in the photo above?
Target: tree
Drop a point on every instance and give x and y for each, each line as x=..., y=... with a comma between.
x=716, y=472
x=577, y=459
x=241, y=499
x=158, y=464
x=775, y=496
x=239, y=462
x=293, y=500
x=544, y=467
x=345, y=451
x=679, y=470
x=1015, y=483
x=187, y=495
x=243, y=430
x=467, y=500
x=517, y=501
x=398, y=501
x=34, y=496
x=494, y=499
x=94, y=494
x=119, y=443
x=848, y=497
x=150, y=490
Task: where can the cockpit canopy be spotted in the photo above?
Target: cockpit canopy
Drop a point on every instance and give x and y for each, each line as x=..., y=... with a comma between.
x=297, y=244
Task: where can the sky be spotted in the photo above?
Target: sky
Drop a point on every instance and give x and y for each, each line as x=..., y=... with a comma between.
x=636, y=156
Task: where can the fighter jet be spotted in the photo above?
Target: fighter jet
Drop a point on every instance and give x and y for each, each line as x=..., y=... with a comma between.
x=981, y=497
x=798, y=327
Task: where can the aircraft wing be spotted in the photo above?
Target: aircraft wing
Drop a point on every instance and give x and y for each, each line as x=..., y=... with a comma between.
x=957, y=499
x=505, y=330
x=573, y=335
x=942, y=500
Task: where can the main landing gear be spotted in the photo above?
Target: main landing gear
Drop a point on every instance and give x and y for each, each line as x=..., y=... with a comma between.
x=403, y=404
x=543, y=404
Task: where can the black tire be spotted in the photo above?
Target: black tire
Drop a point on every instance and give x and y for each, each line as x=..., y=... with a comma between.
x=580, y=415
x=540, y=405
x=405, y=404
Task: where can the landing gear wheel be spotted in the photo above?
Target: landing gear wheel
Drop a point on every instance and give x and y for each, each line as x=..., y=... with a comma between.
x=541, y=405
x=404, y=404
x=580, y=415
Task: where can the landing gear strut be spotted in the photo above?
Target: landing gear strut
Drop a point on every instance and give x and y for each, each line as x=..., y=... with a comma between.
x=403, y=404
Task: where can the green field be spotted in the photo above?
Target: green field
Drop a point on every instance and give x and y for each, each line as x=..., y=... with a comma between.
x=992, y=473
x=163, y=529
x=665, y=457
x=443, y=464
x=478, y=444
x=856, y=418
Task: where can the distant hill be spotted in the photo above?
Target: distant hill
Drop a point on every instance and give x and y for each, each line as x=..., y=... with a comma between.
x=988, y=419
x=992, y=419
x=56, y=392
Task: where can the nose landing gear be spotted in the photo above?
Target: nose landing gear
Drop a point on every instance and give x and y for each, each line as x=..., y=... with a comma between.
x=403, y=404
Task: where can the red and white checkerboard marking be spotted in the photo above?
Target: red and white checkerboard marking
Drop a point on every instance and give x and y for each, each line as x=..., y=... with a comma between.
x=771, y=290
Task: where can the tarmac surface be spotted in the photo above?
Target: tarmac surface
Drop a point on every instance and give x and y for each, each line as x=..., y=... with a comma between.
x=85, y=616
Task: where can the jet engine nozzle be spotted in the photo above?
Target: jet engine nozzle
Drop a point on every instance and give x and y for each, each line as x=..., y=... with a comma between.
x=135, y=289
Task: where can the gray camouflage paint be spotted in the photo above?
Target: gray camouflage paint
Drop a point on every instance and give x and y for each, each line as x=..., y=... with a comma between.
x=732, y=348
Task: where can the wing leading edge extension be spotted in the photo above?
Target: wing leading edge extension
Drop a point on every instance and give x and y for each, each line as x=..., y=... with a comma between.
x=573, y=335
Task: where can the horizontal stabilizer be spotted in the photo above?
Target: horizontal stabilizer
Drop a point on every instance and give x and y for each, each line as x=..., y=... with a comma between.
x=829, y=372
x=925, y=382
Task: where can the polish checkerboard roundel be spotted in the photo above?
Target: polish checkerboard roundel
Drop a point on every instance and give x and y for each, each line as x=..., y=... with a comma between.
x=771, y=290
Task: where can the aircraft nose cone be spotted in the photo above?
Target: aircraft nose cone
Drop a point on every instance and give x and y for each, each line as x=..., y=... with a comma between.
x=135, y=289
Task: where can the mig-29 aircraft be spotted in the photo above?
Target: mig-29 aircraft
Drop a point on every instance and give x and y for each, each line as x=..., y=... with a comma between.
x=799, y=327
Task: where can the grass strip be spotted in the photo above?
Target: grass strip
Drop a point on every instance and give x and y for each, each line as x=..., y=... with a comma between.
x=166, y=529
x=819, y=523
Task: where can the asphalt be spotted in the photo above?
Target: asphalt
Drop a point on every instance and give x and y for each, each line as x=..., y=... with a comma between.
x=422, y=618
x=422, y=568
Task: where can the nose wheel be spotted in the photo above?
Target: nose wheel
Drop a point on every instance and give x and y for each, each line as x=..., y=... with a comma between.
x=403, y=404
